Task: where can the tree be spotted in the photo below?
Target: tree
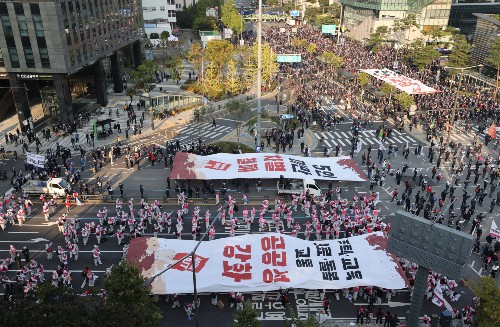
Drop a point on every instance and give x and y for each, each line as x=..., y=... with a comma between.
x=489, y=296
x=249, y=73
x=128, y=303
x=311, y=48
x=47, y=305
x=269, y=65
x=388, y=89
x=164, y=35
x=195, y=56
x=246, y=317
x=212, y=84
x=205, y=23
x=240, y=111
x=377, y=38
x=331, y=59
x=232, y=82
x=494, y=60
x=295, y=322
x=425, y=56
x=144, y=76
x=231, y=18
x=405, y=100
x=403, y=26
x=154, y=36
x=219, y=52
x=459, y=57
x=363, y=79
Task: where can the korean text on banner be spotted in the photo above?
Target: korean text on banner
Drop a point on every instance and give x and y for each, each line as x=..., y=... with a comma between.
x=264, y=165
x=36, y=160
x=405, y=84
x=494, y=231
x=267, y=262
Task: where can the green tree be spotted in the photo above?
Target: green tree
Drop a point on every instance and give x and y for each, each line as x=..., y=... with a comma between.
x=388, y=89
x=489, y=296
x=164, y=35
x=363, y=79
x=493, y=59
x=144, y=75
x=425, y=56
x=219, y=52
x=249, y=73
x=405, y=100
x=154, y=36
x=195, y=56
x=231, y=18
x=377, y=38
x=212, y=82
x=402, y=27
x=334, y=61
x=311, y=48
x=232, y=82
x=128, y=303
x=205, y=23
x=459, y=57
x=295, y=322
x=47, y=306
x=246, y=317
x=269, y=65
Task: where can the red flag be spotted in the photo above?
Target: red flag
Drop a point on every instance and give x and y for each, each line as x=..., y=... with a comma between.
x=492, y=131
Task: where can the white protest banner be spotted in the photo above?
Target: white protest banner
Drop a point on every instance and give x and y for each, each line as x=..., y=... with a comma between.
x=36, y=160
x=264, y=165
x=405, y=84
x=494, y=231
x=266, y=262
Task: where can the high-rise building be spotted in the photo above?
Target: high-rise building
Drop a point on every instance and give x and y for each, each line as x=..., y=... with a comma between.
x=159, y=16
x=55, y=51
x=487, y=30
x=361, y=18
x=462, y=13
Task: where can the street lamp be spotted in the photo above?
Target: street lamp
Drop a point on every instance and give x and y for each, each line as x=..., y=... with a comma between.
x=259, y=72
x=192, y=254
x=452, y=122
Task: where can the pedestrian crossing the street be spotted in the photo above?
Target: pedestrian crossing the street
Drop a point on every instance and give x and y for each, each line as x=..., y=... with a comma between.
x=366, y=137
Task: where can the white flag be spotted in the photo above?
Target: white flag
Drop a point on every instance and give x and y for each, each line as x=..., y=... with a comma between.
x=358, y=147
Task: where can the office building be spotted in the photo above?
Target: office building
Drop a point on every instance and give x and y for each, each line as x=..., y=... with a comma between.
x=159, y=16
x=361, y=18
x=487, y=30
x=53, y=52
x=462, y=13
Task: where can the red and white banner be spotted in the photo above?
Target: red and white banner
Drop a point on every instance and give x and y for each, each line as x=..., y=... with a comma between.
x=403, y=83
x=264, y=165
x=494, y=231
x=266, y=262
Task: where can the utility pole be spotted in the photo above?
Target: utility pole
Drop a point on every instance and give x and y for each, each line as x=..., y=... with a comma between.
x=151, y=116
x=259, y=73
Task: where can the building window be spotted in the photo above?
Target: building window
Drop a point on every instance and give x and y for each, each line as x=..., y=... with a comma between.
x=153, y=8
x=38, y=25
x=162, y=8
x=2, y=62
x=14, y=58
x=28, y=56
x=44, y=57
x=18, y=8
x=3, y=9
x=23, y=27
x=178, y=6
x=171, y=13
x=7, y=26
x=35, y=9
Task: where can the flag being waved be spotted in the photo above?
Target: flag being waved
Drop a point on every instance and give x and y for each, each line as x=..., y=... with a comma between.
x=492, y=131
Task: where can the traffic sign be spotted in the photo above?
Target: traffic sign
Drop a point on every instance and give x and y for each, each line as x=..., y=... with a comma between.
x=289, y=58
x=329, y=29
x=294, y=13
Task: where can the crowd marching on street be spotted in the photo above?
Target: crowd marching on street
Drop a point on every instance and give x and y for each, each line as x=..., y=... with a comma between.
x=470, y=168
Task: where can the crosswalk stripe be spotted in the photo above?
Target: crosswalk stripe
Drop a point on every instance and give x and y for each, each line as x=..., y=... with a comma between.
x=340, y=141
x=327, y=144
x=329, y=134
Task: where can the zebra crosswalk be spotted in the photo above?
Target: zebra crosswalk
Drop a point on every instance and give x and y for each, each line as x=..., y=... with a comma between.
x=206, y=131
x=366, y=137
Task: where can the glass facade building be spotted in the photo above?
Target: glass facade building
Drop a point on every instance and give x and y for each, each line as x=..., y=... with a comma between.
x=54, y=39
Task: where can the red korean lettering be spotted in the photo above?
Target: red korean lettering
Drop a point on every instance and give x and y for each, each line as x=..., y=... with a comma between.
x=216, y=165
x=274, y=166
x=273, y=158
x=229, y=252
x=275, y=258
x=274, y=275
x=272, y=242
x=237, y=271
x=247, y=164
